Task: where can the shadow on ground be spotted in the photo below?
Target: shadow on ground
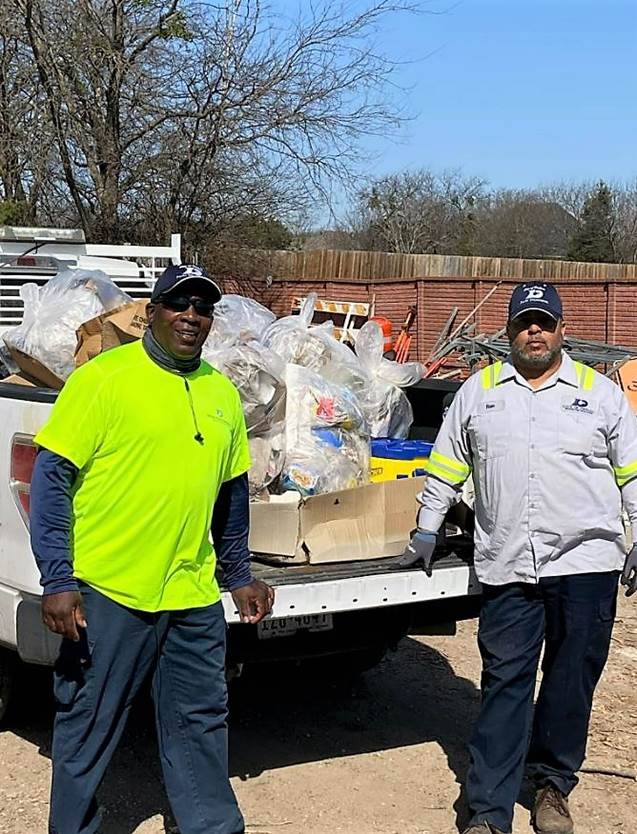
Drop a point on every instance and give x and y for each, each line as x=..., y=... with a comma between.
x=285, y=716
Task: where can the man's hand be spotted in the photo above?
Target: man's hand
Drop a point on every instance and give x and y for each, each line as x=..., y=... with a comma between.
x=419, y=551
x=63, y=613
x=629, y=576
x=254, y=601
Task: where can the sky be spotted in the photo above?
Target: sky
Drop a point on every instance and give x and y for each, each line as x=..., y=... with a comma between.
x=519, y=92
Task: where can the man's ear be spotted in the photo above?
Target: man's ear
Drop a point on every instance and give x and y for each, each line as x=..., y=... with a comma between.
x=563, y=327
x=150, y=311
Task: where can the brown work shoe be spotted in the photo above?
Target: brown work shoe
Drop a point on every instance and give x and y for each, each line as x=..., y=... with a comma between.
x=482, y=828
x=550, y=812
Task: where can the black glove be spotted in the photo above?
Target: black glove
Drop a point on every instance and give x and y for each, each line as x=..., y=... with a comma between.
x=419, y=551
x=629, y=576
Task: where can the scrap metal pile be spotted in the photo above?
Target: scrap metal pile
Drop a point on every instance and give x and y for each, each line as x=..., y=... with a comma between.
x=469, y=348
x=458, y=351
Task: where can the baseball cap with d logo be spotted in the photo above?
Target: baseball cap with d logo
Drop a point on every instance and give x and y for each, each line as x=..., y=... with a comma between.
x=536, y=295
x=175, y=276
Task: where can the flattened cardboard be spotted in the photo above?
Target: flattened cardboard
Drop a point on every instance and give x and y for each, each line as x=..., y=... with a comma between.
x=369, y=522
x=16, y=379
x=34, y=370
x=125, y=325
x=117, y=327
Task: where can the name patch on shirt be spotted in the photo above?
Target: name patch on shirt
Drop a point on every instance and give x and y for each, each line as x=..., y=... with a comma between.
x=579, y=405
x=494, y=405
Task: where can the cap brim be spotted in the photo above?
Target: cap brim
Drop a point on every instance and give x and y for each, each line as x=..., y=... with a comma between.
x=538, y=309
x=211, y=286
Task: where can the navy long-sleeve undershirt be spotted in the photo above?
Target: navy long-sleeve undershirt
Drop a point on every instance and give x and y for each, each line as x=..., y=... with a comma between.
x=51, y=514
x=50, y=520
x=230, y=529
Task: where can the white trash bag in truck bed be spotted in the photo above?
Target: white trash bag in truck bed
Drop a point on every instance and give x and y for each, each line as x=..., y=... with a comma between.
x=296, y=341
x=258, y=375
x=53, y=312
x=385, y=405
x=327, y=437
x=238, y=320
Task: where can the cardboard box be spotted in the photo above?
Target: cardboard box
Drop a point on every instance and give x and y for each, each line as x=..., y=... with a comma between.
x=368, y=522
x=34, y=371
x=16, y=379
x=117, y=327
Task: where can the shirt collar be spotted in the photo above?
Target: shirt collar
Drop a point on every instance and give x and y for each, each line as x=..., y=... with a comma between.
x=565, y=373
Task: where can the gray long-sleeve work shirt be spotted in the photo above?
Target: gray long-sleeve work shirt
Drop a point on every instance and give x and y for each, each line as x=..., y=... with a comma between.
x=551, y=467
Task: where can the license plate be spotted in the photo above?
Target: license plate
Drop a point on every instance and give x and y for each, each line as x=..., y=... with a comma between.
x=287, y=626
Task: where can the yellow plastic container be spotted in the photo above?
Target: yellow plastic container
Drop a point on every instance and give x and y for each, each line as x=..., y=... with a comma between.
x=388, y=469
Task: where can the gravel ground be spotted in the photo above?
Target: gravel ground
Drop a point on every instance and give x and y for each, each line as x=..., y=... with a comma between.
x=386, y=756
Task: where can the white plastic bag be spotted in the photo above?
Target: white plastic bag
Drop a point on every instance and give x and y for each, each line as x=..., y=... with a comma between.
x=238, y=320
x=385, y=405
x=296, y=342
x=327, y=438
x=53, y=313
x=258, y=375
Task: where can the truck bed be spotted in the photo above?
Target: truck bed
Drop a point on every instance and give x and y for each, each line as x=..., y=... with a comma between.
x=350, y=586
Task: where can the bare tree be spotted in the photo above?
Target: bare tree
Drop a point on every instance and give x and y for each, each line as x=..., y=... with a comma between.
x=417, y=211
x=187, y=111
x=625, y=221
x=521, y=224
x=25, y=156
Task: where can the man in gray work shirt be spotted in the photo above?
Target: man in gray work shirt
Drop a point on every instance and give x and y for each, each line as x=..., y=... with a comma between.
x=552, y=445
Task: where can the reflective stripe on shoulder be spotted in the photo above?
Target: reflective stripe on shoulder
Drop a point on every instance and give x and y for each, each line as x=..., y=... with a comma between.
x=623, y=474
x=490, y=375
x=450, y=470
x=585, y=376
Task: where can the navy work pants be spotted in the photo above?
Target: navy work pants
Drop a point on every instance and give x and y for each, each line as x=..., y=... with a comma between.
x=572, y=616
x=95, y=683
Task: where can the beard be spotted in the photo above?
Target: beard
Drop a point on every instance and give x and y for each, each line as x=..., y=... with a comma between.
x=535, y=361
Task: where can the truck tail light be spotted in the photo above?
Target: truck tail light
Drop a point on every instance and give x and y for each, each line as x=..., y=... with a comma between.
x=23, y=452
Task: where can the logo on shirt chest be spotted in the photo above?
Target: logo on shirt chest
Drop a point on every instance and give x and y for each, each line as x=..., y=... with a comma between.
x=579, y=405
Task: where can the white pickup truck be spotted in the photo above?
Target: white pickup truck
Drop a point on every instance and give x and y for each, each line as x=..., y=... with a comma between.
x=350, y=611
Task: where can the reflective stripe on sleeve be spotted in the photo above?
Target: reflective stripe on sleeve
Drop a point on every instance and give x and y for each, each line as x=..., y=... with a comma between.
x=623, y=474
x=448, y=469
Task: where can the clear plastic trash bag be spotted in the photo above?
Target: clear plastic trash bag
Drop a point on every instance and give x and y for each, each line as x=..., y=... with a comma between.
x=238, y=319
x=327, y=436
x=258, y=376
x=53, y=312
x=297, y=342
x=385, y=405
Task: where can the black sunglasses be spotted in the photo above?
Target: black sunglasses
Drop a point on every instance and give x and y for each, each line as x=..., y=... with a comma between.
x=181, y=303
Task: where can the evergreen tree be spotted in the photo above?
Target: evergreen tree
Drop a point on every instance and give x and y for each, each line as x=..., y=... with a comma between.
x=593, y=241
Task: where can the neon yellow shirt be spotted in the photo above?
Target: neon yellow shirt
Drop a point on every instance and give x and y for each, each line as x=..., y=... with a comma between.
x=142, y=503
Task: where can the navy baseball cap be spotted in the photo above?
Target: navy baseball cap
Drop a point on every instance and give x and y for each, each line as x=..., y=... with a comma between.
x=174, y=276
x=535, y=295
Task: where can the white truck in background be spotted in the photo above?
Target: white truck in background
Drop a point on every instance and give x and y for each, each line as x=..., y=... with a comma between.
x=350, y=612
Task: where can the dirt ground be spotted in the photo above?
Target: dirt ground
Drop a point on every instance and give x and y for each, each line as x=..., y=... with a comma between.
x=386, y=756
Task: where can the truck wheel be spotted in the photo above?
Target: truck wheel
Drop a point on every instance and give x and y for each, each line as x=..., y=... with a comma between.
x=7, y=677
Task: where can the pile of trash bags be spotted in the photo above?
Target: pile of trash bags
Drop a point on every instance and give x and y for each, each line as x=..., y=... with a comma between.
x=311, y=402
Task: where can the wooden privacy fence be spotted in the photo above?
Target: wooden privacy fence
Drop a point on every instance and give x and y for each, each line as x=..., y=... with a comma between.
x=351, y=265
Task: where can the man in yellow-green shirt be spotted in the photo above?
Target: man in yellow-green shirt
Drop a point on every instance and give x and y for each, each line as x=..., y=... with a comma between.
x=144, y=455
